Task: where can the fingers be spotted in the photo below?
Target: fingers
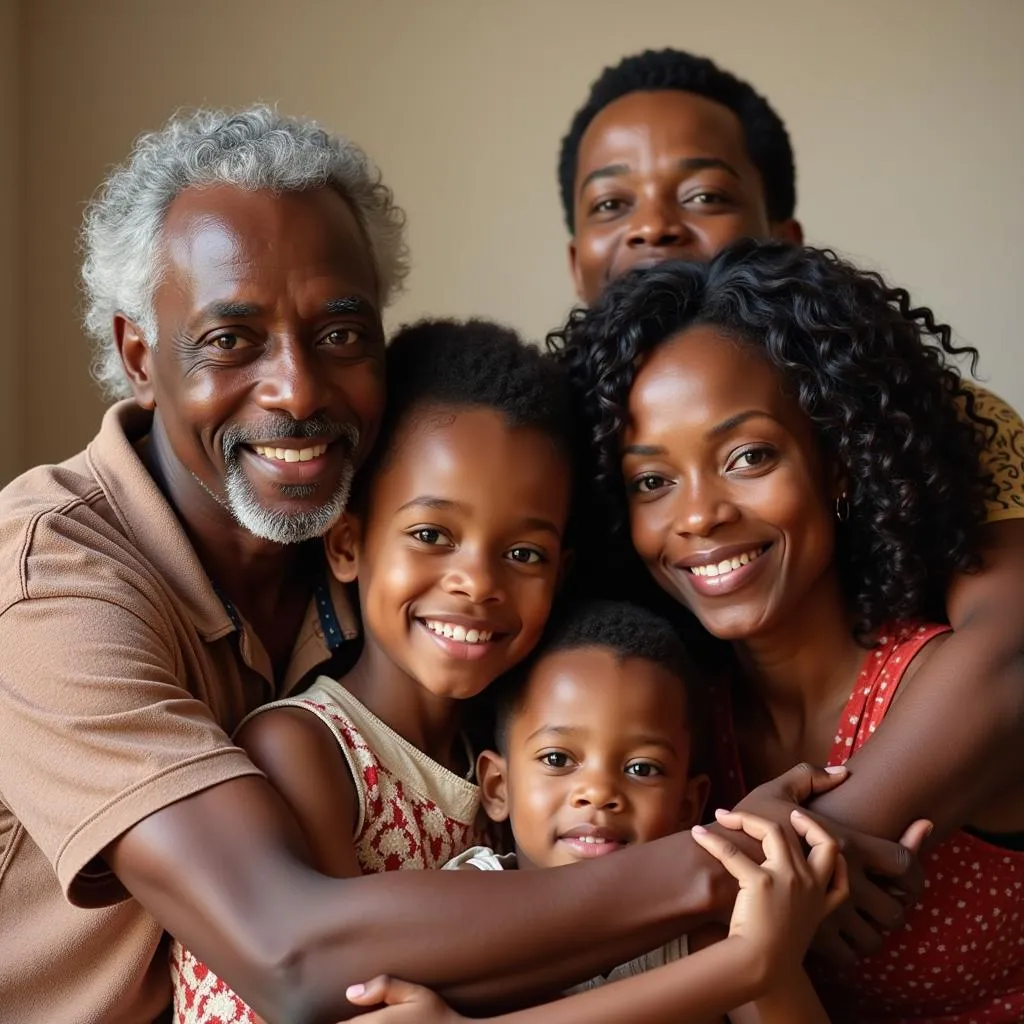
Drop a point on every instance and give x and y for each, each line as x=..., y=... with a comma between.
x=830, y=946
x=893, y=862
x=824, y=852
x=914, y=838
x=803, y=781
x=384, y=989
x=737, y=863
x=839, y=891
x=875, y=904
x=772, y=837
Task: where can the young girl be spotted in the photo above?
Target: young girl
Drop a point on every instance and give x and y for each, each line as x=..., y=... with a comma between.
x=457, y=541
x=782, y=433
x=597, y=735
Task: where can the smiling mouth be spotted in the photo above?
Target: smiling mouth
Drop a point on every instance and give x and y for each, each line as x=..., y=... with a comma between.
x=460, y=634
x=728, y=565
x=290, y=454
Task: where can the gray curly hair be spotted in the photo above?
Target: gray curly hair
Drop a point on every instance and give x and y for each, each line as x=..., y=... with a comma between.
x=251, y=149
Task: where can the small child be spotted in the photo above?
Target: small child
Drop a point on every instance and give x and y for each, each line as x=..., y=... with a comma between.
x=455, y=536
x=595, y=737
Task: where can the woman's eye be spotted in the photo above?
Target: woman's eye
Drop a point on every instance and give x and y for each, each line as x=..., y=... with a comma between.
x=525, y=556
x=752, y=458
x=648, y=482
x=555, y=759
x=642, y=770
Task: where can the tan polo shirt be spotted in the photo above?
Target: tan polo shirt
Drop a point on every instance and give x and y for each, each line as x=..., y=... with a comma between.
x=122, y=677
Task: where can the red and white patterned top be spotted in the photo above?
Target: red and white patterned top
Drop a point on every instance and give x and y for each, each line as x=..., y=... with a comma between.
x=412, y=814
x=960, y=956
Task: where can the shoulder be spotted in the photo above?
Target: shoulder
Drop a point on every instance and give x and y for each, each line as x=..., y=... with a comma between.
x=1004, y=453
x=285, y=738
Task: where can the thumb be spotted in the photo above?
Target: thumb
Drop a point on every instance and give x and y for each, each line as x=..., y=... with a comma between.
x=804, y=780
x=914, y=837
x=382, y=989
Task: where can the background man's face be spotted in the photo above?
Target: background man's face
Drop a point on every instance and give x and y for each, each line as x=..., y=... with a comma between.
x=661, y=175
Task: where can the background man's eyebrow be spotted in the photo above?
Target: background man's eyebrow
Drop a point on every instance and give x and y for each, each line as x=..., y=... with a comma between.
x=347, y=304
x=611, y=171
x=706, y=163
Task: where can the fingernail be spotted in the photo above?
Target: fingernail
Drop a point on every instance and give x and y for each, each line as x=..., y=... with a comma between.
x=929, y=830
x=797, y=813
x=699, y=829
x=721, y=812
x=836, y=769
x=354, y=991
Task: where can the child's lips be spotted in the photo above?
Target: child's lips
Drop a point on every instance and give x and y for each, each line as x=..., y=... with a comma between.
x=586, y=841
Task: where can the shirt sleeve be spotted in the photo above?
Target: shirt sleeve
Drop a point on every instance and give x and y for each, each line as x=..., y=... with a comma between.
x=1003, y=456
x=97, y=727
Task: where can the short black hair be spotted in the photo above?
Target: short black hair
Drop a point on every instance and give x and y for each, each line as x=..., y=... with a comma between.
x=472, y=364
x=657, y=70
x=628, y=631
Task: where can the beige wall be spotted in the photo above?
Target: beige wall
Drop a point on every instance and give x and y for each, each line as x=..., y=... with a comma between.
x=11, y=340
x=906, y=116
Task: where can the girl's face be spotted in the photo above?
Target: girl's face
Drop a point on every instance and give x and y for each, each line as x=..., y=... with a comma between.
x=461, y=550
x=730, y=506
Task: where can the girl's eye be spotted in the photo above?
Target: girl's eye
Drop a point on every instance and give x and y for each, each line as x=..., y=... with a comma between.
x=555, y=759
x=525, y=556
x=432, y=536
x=751, y=458
x=648, y=483
x=643, y=770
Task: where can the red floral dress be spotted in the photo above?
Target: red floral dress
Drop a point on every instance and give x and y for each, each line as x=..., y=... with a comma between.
x=413, y=814
x=960, y=956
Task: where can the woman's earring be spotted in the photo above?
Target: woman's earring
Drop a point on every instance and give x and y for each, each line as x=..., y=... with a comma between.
x=842, y=507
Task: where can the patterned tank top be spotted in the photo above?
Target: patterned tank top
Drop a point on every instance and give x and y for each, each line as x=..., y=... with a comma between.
x=960, y=956
x=412, y=814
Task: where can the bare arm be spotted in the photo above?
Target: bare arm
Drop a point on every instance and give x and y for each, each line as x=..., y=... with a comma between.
x=226, y=872
x=955, y=739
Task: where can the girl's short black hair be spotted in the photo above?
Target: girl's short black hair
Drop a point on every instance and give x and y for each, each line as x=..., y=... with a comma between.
x=472, y=364
x=766, y=136
x=872, y=372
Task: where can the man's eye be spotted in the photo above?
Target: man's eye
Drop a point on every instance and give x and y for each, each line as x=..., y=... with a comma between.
x=341, y=337
x=607, y=206
x=555, y=759
x=226, y=342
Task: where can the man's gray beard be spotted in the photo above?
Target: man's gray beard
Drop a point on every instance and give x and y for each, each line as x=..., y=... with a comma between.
x=287, y=527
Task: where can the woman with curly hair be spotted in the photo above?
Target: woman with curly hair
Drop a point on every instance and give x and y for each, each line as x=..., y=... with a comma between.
x=779, y=434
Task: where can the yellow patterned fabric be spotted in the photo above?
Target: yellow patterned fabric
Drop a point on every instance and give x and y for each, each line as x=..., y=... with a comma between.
x=1004, y=454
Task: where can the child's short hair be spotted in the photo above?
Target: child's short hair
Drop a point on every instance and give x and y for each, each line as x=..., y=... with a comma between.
x=628, y=631
x=472, y=364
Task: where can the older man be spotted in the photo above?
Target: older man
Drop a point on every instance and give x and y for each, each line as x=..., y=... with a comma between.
x=165, y=581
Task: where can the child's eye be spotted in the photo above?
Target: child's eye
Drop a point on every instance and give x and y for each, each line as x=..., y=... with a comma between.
x=643, y=770
x=525, y=556
x=555, y=759
x=430, y=535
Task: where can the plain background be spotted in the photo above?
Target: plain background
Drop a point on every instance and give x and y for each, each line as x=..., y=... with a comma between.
x=907, y=117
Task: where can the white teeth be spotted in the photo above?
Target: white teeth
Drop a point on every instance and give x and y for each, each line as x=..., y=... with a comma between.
x=728, y=565
x=597, y=840
x=458, y=633
x=290, y=454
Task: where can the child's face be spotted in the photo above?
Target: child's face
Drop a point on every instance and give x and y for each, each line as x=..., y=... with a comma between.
x=730, y=502
x=460, y=550
x=597, y=759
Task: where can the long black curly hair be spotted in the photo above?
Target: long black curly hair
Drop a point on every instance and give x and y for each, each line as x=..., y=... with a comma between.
x=873, y=373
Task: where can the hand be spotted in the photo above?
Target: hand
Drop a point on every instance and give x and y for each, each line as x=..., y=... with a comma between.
x=782, y=901
x=403, y=1002
x=875, y=906
x=885, y=877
